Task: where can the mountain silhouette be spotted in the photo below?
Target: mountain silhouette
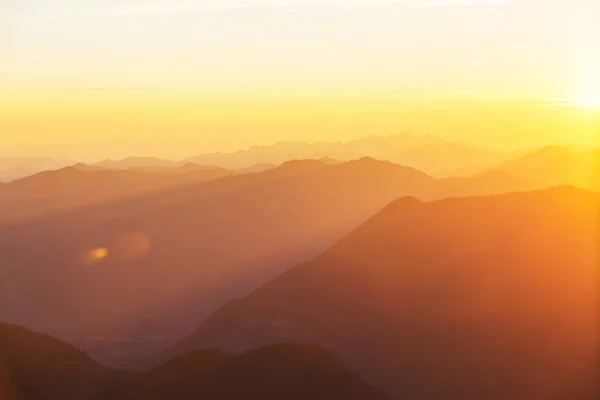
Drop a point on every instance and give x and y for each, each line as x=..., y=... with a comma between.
x=260, y=167
x=429, y=154
x=12, y=168
x=169, y=261
x=138, y=163
x=132, y=277
x=83, y=185
x=34, y=366
x=17, y=172
x=282, y=371
x=464, y=298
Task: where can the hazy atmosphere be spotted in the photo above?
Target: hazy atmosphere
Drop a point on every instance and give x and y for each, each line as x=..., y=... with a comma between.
x=95, y=79
x=299, y=200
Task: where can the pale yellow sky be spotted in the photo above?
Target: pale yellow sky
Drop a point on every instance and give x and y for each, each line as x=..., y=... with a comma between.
x=94, y=79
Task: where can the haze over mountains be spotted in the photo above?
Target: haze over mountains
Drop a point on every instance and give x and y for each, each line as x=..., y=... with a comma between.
x=557, y=165
x=434, y=156
x=427, y=153
x=299, y=200
x=436, y=295
x=74, y=187
x=467, y=298
x=168, y=260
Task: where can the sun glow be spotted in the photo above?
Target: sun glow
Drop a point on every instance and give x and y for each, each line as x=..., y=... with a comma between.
x=590, y=100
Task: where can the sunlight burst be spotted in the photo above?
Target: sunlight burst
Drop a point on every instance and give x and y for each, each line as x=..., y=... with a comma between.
x=590, y=101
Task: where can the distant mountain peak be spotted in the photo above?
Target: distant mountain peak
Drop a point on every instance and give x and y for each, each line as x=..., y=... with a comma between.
x=302, y=164
x=330, y=161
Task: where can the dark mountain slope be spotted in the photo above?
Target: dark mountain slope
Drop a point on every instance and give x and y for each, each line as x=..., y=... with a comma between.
x=468, y=298
x=38, y=367
x=284, y=371
x=183, y=377
x=293, y=372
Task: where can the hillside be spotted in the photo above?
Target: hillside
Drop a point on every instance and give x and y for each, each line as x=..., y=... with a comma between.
x=466, y=298
x=283, y=371
x=38, y=367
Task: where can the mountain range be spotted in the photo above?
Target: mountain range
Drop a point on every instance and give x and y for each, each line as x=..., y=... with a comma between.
x=126, y=278
x=463, y=298
x=427, y=153
x=421, y=284
x=83, y=185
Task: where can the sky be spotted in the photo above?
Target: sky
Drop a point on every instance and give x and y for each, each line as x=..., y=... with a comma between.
x=92, y=79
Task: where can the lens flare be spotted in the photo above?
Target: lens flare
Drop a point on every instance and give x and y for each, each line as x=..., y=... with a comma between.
x=95, y=255
x=100, y=253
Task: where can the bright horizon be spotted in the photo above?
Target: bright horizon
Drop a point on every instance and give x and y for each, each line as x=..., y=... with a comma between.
x=109, y=79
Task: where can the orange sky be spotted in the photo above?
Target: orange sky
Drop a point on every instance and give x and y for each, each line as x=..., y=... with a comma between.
x=93, y=79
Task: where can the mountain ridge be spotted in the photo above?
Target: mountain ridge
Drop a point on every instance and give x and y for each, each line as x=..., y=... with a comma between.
x=386, y=322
